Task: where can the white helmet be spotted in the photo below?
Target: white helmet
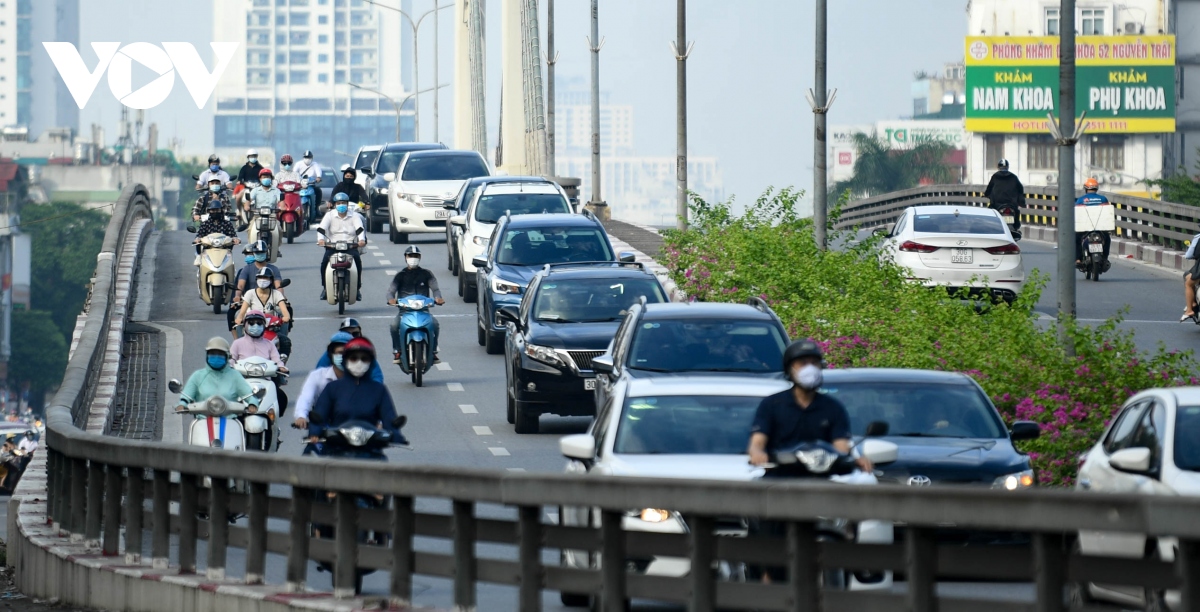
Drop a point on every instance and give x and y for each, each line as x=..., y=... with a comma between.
x=251, y=152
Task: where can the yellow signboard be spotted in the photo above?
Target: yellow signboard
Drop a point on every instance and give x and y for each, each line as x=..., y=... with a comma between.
x=1146, y=50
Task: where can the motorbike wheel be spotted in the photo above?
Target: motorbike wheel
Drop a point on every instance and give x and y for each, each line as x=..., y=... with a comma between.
x=470, y=293
x=217, y=295
x=289, y=231
x=462, y=283
x=418, y=362
x=341, y=296
x=1095, y=268
x=511, y=409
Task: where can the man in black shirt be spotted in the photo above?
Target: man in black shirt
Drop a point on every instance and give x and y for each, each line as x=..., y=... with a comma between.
x=800, y=414
x=414, y=280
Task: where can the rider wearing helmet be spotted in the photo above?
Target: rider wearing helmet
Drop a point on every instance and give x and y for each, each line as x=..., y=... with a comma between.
x=256, y=261
x=213, y=170
x=1090, y=198
x=309, y=169
x=216, y=191
x=349, y=187
x=1005, y=188
x=249, y=171
x=266, y=194
x=253, y=344
x=413, y=280
x=321, y=376
x=286, y=173
x=216, y=378
x=355, y=396
x=218, y=222
x=339, y=225
x=350, y=326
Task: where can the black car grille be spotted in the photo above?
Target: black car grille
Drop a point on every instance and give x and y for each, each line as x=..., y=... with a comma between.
x=583, y=359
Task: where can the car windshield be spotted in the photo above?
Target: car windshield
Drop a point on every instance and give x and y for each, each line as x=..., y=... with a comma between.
x=685, y=425
x=465, y=195
x=1187, y=438
x=444, y=168
x=707, y=345
x=592, y=300
x=389, y=161
x=957, y=224
x=493, y=206
x=919, y=410
x=365, y=159
x=537, y=247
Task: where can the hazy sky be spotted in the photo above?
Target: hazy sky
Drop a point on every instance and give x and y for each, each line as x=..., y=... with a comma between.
x=752, y=64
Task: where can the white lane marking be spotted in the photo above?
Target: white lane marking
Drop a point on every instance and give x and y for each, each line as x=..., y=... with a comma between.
x=378, y=253
x=390, y=272
x=454, y=387
x=372, y=247
x=515, y=469
x=499, y=452
x=384, y=262
x=468, y=409
x=482, y=430
x=442, y=366
x=551, y=515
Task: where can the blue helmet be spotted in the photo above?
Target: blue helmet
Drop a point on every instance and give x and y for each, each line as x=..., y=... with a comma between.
x=341, y=197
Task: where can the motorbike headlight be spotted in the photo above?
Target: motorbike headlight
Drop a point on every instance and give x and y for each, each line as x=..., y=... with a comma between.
x=481, y=240
x=655, y=515
x=415, y=304
x=356, y=436
x=543, y=354
x=500, y=285
x=1012, y=482
x=383, y=191
x=216, y=405
x=256, y=371
x=817, y=460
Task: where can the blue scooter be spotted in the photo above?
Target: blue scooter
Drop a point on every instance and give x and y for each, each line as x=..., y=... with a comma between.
x=416, y=336
x=308, y=201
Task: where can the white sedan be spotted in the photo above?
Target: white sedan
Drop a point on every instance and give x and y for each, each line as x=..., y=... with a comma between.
x=958, y=247
x=1152, y=447
x=693, y=427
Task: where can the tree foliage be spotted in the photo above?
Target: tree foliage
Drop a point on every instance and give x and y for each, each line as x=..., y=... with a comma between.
x=66, y=240
x=1180, y=187
x=879, y=168
x=39, y=351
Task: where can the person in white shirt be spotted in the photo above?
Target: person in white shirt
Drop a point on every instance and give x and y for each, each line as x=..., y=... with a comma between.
x=286, y=173
x=214, y=169
x=308, y=168
x=340, y=226
x=28, y=444
x=318, y=378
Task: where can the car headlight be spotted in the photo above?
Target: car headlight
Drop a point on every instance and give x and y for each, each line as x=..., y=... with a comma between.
x=383, y=191
x=356, y=436
x=500, y=285
x=411, y=198
x=655, y=515
x=1012, y=482
x=481, y=240
x=543, y=354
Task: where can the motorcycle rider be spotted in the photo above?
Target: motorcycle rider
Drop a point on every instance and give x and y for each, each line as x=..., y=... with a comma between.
x=266, y=194
x=339, y=226
x=256, y=259
x=253, y=344
x=286, y=173
x=355, y=397
x=217, y=379
x=1090, y=198
x=349, y=187
x=218, y=222
x=1003, y=189
x=216, y=191
x=266, y=298
x=321, y=376
x=1190, y=279
x=311, y=170
x=250, y=170
x=214, y=170
x=414, y=280
x=350, y=326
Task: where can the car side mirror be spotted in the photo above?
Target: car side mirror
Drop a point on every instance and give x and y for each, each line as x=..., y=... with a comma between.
x=579, y=446
x=195, y=177
x=877, y=429
x=365, y=170
x=626, y=257
x=175, y=386
x=389, y=176
x=458, y=220
x=509, y=314
x=603, y=364
x=399, y=421
x=1025, y=430
x=879, y=451
x=479, y=262
x=1131, y=460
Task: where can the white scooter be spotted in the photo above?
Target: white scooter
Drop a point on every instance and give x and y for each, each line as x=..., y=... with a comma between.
x=341, y=277
x=265, y=226
x=215, y=423
x=261, y=432
x=215, y=271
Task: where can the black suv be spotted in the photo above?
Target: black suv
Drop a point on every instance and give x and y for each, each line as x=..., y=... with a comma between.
x=387, y=161
x=568, y=315
x=689, y=337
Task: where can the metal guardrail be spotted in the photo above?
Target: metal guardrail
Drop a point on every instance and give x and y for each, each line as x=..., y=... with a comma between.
x=113, y=490
x=1140, y=219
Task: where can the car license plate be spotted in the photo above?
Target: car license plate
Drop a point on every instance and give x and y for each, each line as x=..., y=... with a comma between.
x=1008, y=219
x=963, y=256
x=442, y=214
x=589, y=384
x=1095, y=248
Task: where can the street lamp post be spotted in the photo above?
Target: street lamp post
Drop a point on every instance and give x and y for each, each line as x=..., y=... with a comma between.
x=397, y=105
x=416, y=28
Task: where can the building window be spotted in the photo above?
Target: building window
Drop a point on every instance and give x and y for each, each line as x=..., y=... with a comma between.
x=1092, y=21
x=323, y=19
x=993, y=150
x=339, y=38
x=322, y=78
x=263, y=19
x=1043, y=152
x=323, y=39
x=281, y=77
x=299, y=77
x=259, y=104
x=262, y=2
x=299, y=38
x=357, y=58
x=299, y=19
x=1052, y=22
x=259, y=38
x=299, y=58
x=360, y=18
x=323, y=58
x=322, y=2
x=280, y=58
x=1108, y=151
x=299, y=2
x=339, y=57
x=281, y=39
x=281, y=19
x=339, y=76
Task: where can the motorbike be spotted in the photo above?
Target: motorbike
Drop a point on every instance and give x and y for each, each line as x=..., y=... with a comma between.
x=308, y=200
x=416, y=337
x=341, y=277
x=215, y=272
x=291, y=211
x=216, y=422
x=1093, y=225
x=242, y=198
x=265, y=227
x=261, y=433
x=282, y=343
x=354, y=440
x=12, y=467
x=1010, y=213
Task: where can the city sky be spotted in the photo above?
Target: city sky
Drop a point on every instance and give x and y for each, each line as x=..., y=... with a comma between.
x=752, y=64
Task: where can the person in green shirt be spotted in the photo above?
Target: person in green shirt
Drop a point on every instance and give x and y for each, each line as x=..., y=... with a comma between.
x=217, y=378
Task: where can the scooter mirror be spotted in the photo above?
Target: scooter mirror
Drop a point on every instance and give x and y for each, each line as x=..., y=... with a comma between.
x=399, y=421
x=285, y=282
x=260, y=393
x=175, y=386
x=876, y=429
x=191, y=229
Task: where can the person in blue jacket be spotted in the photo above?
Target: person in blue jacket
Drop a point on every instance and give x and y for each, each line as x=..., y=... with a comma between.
x=1090, y=197
x=355, y=397
x=350, y=326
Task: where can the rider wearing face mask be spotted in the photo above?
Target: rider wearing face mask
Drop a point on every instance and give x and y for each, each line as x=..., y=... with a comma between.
x=339, y=225
x=800, y=414
x=215, y=192
x=256, y=261
x=216, y=378
x=266, y=298
x=349, y=187
x=355, y=397
x=350, y=326
x=321, y=376
x=249, y=171
x=213, y=170
x=286, y=173
x=253, y=344
x=266, y=194
x=413, y=280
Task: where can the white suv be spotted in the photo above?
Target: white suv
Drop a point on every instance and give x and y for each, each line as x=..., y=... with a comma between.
x=425, y=182
x=490, y=203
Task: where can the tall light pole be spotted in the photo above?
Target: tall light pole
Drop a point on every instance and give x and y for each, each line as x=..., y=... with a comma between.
x=395, y=107
x=416, y=28
x=682, y=50
x=1066, y=135
x=820, y=101
x=595, y=44
x=551, y=59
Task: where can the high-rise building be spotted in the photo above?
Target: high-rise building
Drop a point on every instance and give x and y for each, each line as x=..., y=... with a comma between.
x=292, y=88
x=940, y=95
x=573, y=122
x=32, y=97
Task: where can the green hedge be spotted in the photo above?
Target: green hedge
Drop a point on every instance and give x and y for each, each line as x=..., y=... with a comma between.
x=866, y=314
